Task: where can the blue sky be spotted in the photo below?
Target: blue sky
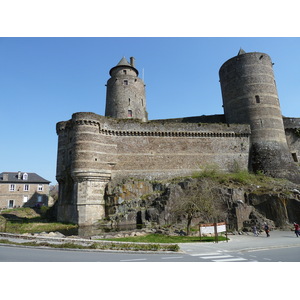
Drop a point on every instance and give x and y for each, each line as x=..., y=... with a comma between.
x=46, y=80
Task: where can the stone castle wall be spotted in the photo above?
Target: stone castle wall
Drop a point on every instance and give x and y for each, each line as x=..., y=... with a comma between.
x=251, y=135
x=158, y=149
x=93, y=149
x=292, y=132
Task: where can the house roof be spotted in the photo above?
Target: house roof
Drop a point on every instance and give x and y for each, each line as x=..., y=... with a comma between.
x=12, y=177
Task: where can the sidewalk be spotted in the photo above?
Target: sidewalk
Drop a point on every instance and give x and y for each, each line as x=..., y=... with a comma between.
x=277, y=239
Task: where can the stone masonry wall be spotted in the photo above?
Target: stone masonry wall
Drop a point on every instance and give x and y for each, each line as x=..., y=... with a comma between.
x=155, y=149
x=93, y=149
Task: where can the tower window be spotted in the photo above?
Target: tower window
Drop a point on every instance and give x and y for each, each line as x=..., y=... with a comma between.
x=124, y=71
x=129, y=113
x=257, y=99
x=125, y=82
x=129, y=101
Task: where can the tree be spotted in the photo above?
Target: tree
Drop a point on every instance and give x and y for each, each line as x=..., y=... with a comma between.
x=196, y=200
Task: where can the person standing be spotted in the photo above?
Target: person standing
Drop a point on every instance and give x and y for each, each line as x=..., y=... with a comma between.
x=267, y=230
x=296, y=226
x=255, y=230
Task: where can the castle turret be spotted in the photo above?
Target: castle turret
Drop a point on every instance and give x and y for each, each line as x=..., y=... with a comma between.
x=250, y=96
x=125, y=94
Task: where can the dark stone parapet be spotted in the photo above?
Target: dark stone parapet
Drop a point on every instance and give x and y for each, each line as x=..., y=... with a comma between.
x=291, y=123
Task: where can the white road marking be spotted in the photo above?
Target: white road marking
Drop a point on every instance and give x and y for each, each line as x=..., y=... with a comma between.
x=230, y=259
x=173, y=257
x=136, y=259
x=217, y=256
x=204, y=254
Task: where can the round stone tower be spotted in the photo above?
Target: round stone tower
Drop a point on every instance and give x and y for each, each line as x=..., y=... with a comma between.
x=250, y=96
x=125, y=94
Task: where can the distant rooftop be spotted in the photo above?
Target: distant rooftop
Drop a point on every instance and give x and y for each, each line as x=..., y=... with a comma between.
x=20, y=177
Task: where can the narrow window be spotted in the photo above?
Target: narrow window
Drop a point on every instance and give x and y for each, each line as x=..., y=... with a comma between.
x=295, y=158
x=129, y=101
x=129, y=113
x=10, y=203
x=142, y=102
x=40, y=199
x=125, y=82
x=12, y=187
x=257, y=99
x=26, y=187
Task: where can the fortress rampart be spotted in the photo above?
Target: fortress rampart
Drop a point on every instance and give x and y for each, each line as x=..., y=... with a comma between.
x=154, y=149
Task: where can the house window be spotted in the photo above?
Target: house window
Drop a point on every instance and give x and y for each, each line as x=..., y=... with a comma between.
x=40, y=187
x=26, y=187
x=25, y=176
x=125, y=82
x=129, y=113
x=40, y=199
x=25, y=199
x=12, y=187
x=257, y=99
x=10, y=203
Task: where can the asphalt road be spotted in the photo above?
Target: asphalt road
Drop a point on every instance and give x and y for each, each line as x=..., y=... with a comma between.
x=281, y=246
x=20, y=254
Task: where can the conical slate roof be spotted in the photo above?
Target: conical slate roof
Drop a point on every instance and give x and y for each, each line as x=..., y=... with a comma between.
x=241, y=51
x=123, y=62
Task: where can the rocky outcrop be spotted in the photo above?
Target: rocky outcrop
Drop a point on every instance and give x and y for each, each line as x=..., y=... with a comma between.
x=140, y=202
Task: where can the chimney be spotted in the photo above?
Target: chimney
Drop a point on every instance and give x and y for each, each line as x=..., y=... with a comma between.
x=132, y=62
x=19, y=175
x=5, y=177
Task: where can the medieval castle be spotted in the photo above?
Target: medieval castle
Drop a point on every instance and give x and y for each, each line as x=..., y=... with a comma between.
x=251, y=134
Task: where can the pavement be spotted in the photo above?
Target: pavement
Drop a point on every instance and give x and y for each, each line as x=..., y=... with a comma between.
x=246, y=242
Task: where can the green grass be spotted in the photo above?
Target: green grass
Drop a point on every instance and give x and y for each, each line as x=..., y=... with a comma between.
x=240, y=177
x=160, y=238
x=35, y=227
x=27, y=220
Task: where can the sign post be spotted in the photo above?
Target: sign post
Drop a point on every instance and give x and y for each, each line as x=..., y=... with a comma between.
x=214, y=228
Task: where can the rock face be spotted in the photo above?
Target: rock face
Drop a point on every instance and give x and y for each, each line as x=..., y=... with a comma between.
x=145, y=203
